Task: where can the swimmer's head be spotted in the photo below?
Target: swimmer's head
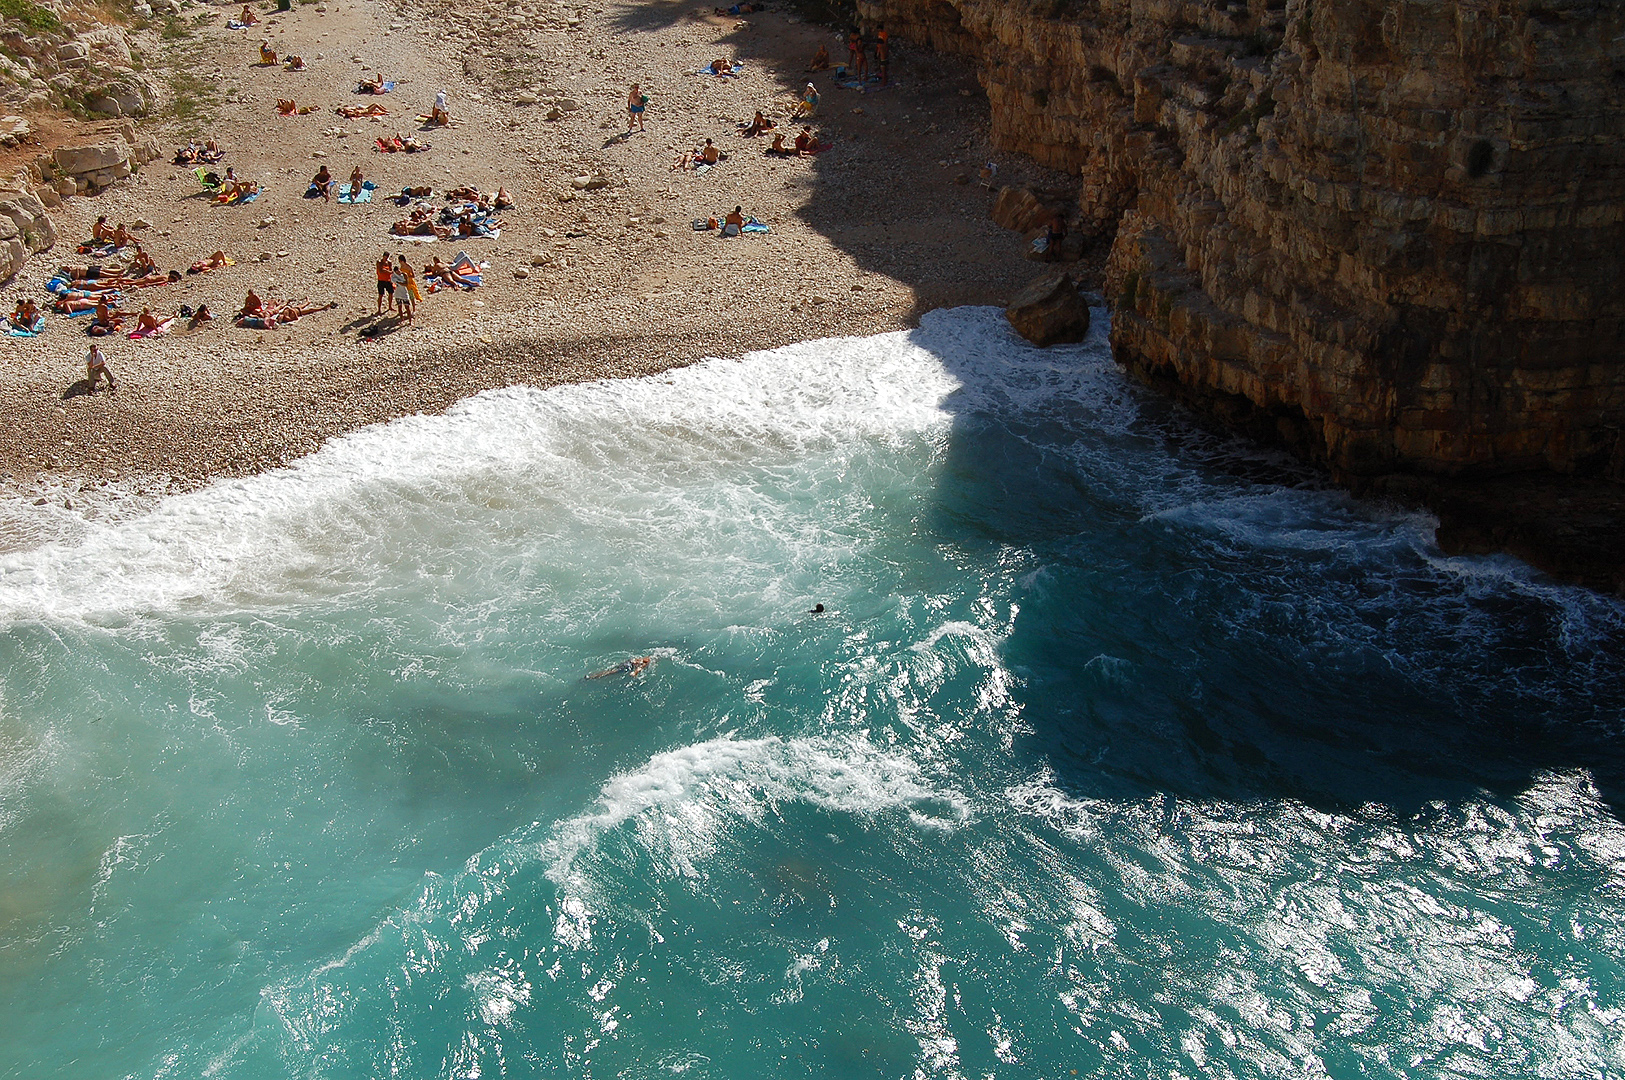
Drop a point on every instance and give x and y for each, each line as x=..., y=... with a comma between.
x=817, y=609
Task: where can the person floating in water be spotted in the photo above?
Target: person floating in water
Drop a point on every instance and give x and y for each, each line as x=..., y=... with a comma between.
x=634, y=667
x=817, y=609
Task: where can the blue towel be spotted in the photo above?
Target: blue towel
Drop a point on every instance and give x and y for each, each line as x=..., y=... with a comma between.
x=365, y=196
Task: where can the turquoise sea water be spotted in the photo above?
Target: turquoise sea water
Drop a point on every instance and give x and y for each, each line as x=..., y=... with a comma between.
x=1123, y=751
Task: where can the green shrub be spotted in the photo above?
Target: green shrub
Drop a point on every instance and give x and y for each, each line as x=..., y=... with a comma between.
x=30, y=15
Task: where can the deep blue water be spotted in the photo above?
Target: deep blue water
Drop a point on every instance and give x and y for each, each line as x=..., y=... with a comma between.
x=1124, y=750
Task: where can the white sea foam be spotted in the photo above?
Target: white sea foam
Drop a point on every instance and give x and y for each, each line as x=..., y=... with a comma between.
x=334, y=521
x=684, y=800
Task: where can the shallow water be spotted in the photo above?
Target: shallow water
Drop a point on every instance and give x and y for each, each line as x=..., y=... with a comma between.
x=1123, y=750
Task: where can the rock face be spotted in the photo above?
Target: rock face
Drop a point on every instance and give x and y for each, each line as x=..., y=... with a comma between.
x=1049, y=311
x=1388, y=232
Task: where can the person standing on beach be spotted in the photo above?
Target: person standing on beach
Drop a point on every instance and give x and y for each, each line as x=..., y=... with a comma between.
x=636, y=102
x=96, y=368
x=386, y=282
x=883, y=54
x=403, y=298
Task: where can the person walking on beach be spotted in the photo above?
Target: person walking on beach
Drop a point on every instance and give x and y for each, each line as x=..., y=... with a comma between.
x=386, y=282
x=96, y=368
x=636, y=102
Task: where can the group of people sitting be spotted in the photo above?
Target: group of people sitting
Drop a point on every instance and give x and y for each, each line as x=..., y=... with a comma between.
x=322, y=184
x=193, y=154
x=229, y=189
x=805, y=143
x=106, y=239
x=27, y=316
x=460, y=219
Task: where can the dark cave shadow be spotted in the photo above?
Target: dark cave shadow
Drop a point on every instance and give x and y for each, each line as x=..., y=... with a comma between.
x=1157, y=653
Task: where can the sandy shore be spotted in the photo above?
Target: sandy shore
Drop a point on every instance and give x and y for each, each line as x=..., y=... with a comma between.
x=865, y=236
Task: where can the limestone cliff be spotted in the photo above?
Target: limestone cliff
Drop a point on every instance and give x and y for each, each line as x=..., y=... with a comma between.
x=1390, y=233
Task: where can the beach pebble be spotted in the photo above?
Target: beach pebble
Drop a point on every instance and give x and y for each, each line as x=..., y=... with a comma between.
x=817, y=299
x=140, y=223
x=521, y=273
x=266, y=223
x=266, y=256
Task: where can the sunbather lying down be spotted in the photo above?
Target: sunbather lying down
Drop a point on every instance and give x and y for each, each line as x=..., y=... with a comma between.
x=456, y=274
x=210, y=262
x=398, y=144
x=420, y=227
x=258, y=314
x=355, y=112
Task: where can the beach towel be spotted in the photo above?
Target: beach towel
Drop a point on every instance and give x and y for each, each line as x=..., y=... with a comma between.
x=100, y=251
x=731, y=73
x=314, y=191
x=754, y=226
x=236, y=198
x=369, y=88
x=254, y=322
x=346, y=199
x=32, y=330
x=161, y=328
x=233, y=24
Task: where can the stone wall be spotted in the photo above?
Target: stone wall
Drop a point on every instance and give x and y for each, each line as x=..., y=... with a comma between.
x=1388, y=232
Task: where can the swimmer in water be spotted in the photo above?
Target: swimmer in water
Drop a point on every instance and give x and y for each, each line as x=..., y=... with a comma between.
x=817, y=609
x=634, y=667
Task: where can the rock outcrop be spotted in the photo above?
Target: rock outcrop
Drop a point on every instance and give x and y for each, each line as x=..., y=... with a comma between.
x=104, y=156
x=1050, y=311
x=1390, y=233
x=70, y=60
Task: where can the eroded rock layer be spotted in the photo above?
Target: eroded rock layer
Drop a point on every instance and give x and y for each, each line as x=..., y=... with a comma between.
x=1389, y=232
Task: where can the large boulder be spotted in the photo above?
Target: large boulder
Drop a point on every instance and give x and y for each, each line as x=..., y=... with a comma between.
x=1049, y=311
x=96, y=157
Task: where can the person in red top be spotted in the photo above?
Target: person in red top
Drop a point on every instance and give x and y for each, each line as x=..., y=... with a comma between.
x=883, y=55
x=386, y=281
